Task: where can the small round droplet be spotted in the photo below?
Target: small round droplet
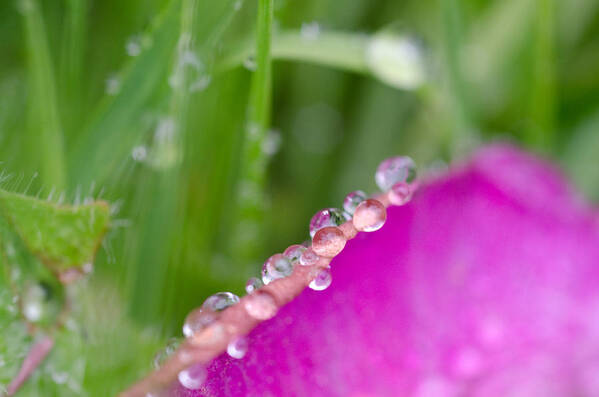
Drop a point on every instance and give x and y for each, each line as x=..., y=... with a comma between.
x=171, y=346
x=220, y=301
x=253, y=284
x=293, y=252
x=370, y=216
x=326, y=217
x=352, y=200
x=322, y=280
x=395, y=170
x=400, y=193
x=275, y=267
x=193, y=377
x=261, y=306
x=309, y=258
x=237, y=348
x=197, y=320
x=250, y=63
x=35, y=301
x=328, y=241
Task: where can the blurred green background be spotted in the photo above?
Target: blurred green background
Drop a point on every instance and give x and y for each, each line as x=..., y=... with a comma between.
x=151, y=106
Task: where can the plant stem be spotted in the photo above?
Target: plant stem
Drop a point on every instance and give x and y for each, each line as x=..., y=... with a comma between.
x=43, y=104
x=254, y=160
x=340, y=50
x=34, y=358
x=540, y=133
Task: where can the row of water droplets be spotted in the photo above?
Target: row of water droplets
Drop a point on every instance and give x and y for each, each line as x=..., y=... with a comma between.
x=394, y=176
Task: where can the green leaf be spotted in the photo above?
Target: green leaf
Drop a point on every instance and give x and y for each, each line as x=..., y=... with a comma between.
x=62, y=237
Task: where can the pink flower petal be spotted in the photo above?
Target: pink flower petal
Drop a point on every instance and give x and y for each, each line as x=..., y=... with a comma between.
x=486, y=284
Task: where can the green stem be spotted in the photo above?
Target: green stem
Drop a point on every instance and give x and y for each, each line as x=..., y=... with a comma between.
x=253, y=166
x=541, y=131
x=339, y=50
x=43, y=104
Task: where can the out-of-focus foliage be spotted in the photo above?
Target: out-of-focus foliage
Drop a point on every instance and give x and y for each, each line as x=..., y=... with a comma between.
x=145, y=104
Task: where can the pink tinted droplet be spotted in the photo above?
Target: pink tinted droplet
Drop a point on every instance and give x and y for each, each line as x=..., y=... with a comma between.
x=370, y=216
x=328, y=241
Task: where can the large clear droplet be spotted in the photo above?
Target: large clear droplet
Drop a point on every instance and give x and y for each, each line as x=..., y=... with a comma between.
x=237, y=348
x=171, y=346
x=400, y=193
x=220, y=301
x=197, y=320
x=309, y=258
x=294, y=252
x=253, y=284
x=395, y=170
x=352, y=200
x=275, y=267
x=327, y=217
x=193, y=377
x=322, y=280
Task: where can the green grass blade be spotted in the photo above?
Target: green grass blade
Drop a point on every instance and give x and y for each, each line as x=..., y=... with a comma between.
x=46, y=139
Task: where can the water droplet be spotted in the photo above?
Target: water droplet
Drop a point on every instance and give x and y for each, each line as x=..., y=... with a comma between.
x=400, y=193
x=139, y=153
x=322, y=280
x=220, y=301
x=397, y=61
x=237, y=5
x=310, y=30
x=237, y=348
x=201, y=83
x=253, y=284
x=250, y=63
x=112, y=85
x=171, y=346
x=272, y=143
x=60, y=377
x=370, y=215
x=308, y=258
x=328, y=241
x=34, y=302
x=294, y=252
x=326, y=217
x=275, y=267
x=133, y=46
x=261, y=305
x=197, y=320
x=352, y=200
x=394, y=170
x=193, y=377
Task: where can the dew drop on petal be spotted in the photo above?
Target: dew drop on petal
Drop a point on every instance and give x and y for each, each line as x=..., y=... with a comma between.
x=294, y=252
x=400, y=193
x=352, y=200
x=394, y=170
x=237, y=348
x=327, y=217
x=308, y=258
x=220, y=301
x=193, y=377
x=253, y=284
x=171, y=346
x=322, y=280
x=370, y=216
x=328, y=241
x=275, y=267
x=197, y=320
x=261, y=306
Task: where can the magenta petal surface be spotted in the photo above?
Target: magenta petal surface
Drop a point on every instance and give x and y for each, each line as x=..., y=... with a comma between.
x=486, y=284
